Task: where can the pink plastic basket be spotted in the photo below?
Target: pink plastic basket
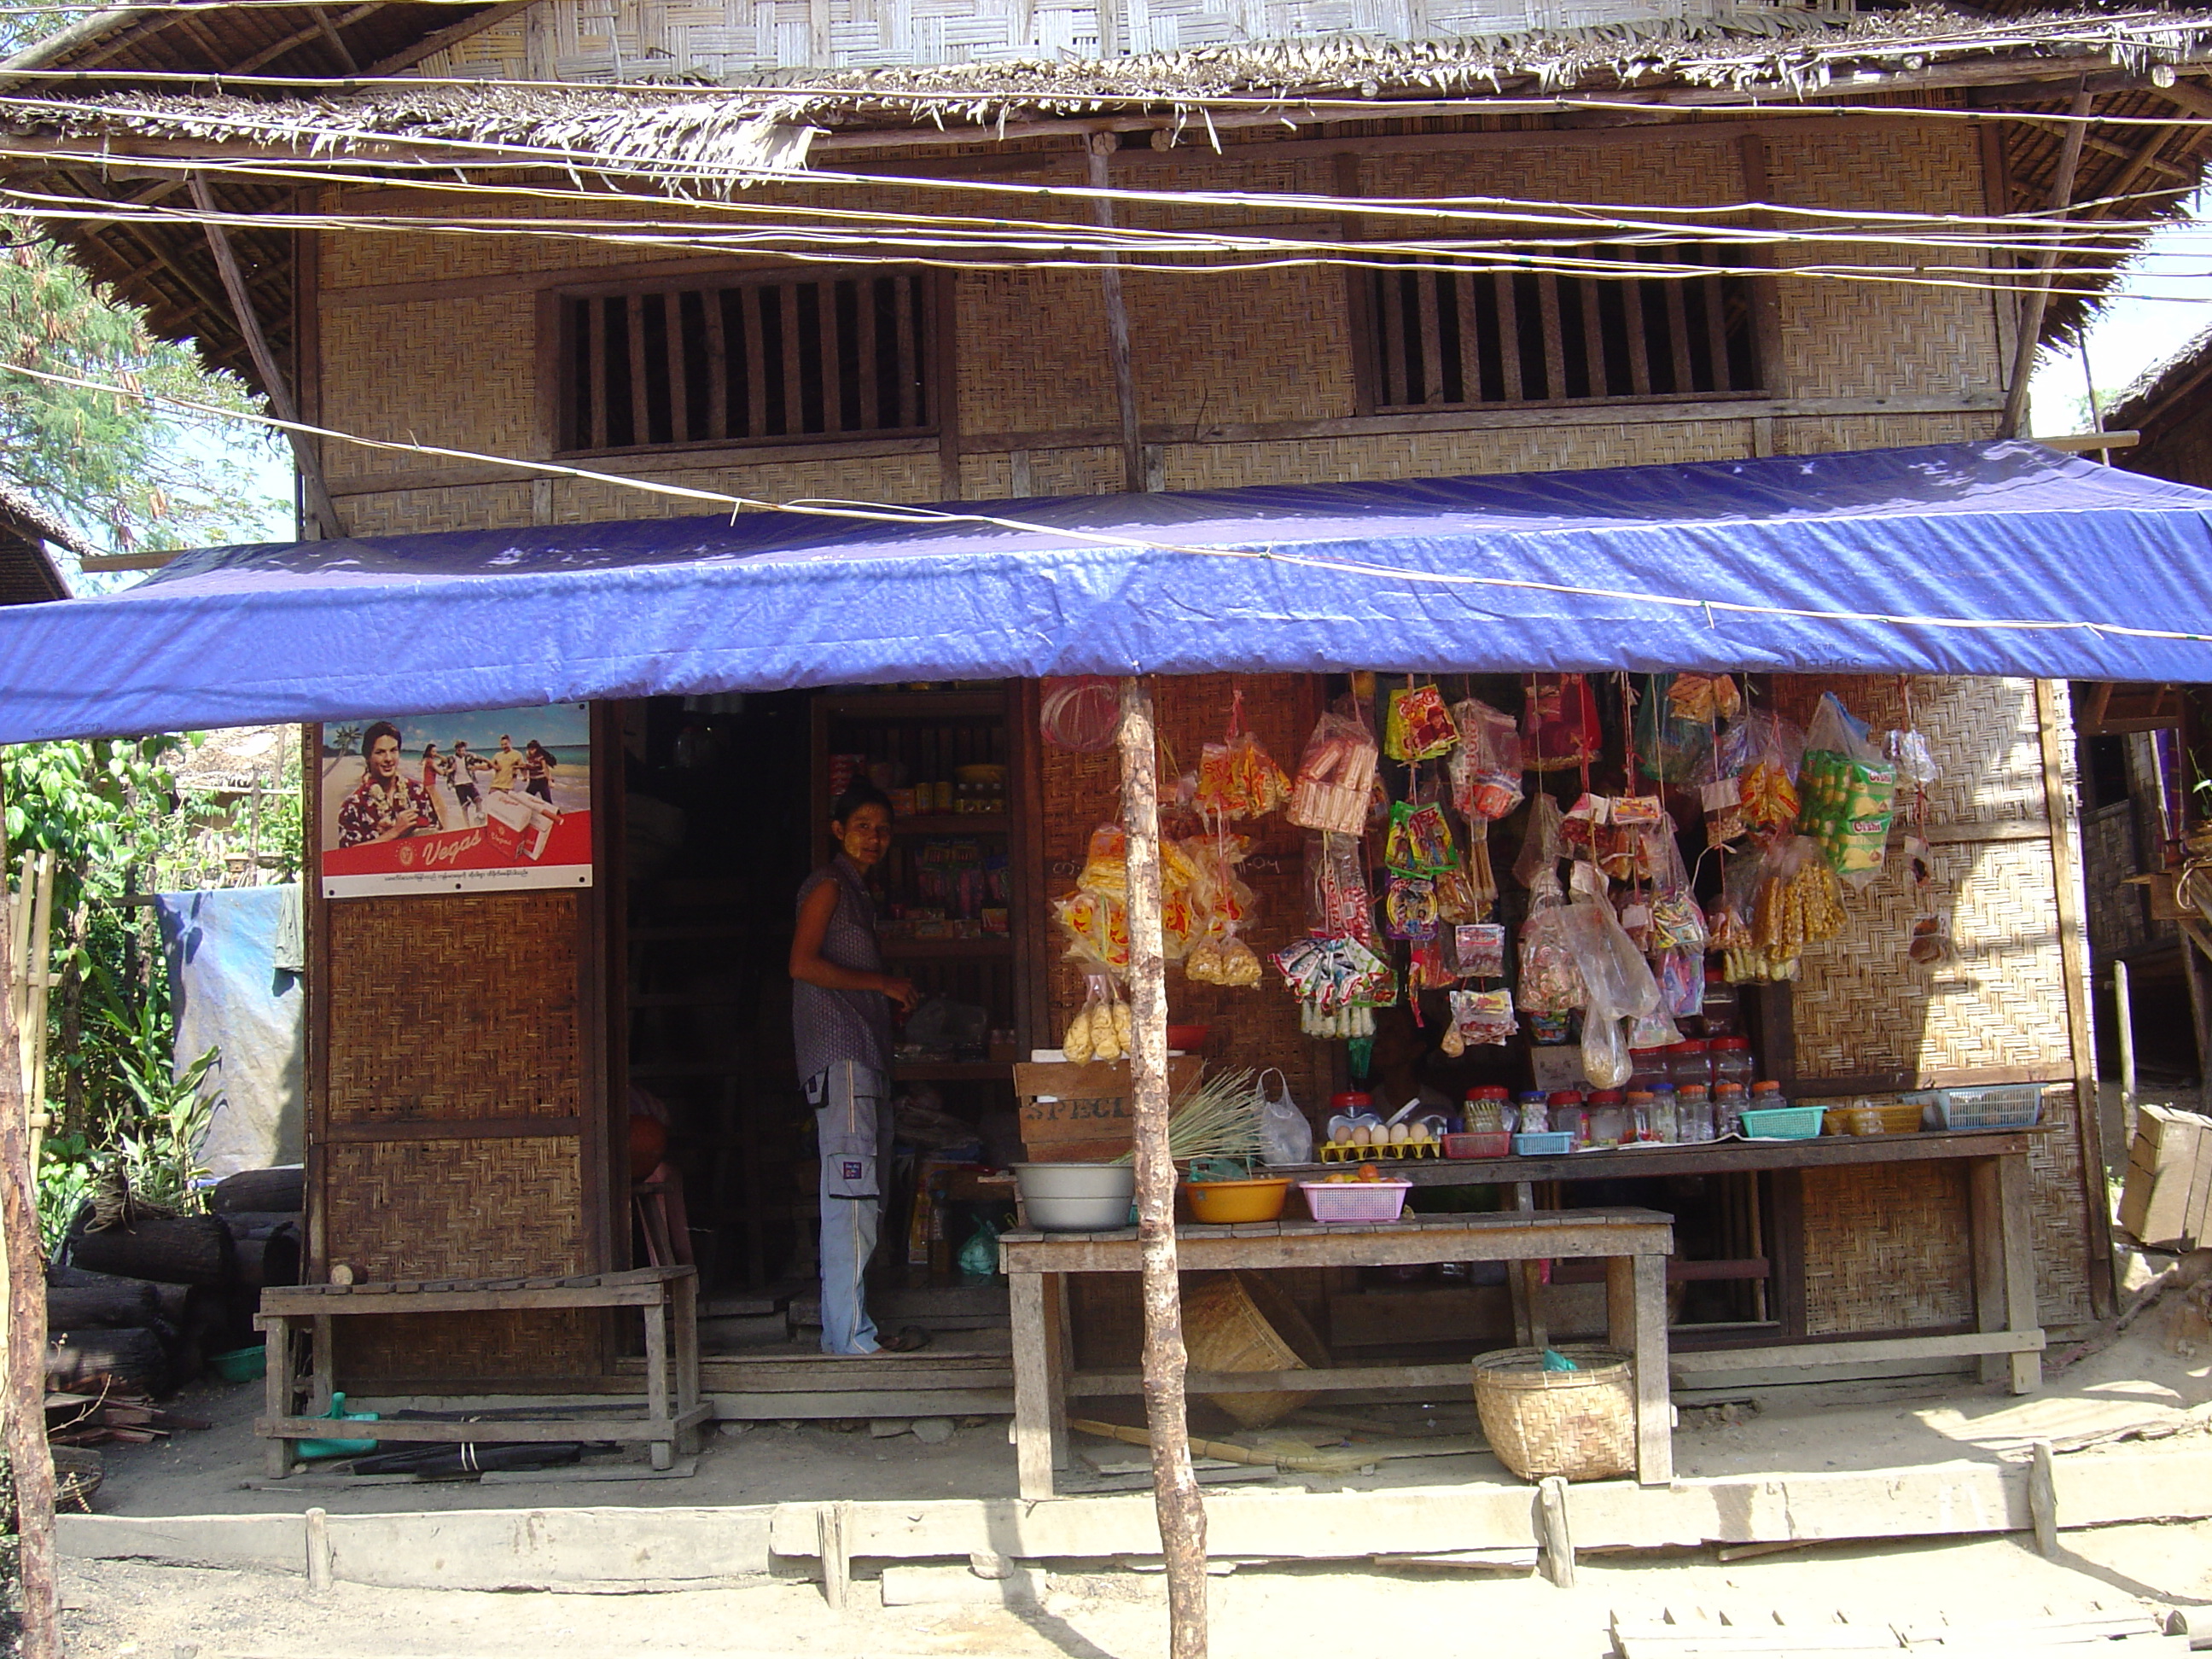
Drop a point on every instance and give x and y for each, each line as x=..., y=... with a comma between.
x=1355, y=1201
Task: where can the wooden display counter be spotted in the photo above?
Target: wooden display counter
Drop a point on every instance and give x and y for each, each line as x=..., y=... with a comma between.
x=1633, y=1243
x=2007, y=1335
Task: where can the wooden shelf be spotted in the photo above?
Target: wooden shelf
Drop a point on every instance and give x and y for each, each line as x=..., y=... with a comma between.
x=951, y=823
x=911, y=705
x=954, y=948
x=952, y=1071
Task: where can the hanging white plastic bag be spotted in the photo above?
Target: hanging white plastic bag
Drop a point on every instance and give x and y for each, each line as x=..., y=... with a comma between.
x=1285, y=1137
x=1605, y=1050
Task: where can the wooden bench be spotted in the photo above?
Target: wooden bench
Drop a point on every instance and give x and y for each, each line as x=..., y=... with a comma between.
x=667, y=1297
x=1633, y=1243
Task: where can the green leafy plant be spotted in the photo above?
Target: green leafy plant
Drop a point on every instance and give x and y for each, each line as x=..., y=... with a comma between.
x=160, y=1146
x=66, y=1168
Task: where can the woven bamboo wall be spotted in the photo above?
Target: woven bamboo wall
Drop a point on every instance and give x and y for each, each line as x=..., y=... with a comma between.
x=1861, y=1006
x=463, y=1012
x=1886, y=1249
x=608, y=39
x=1210, y=350
x=1256, y=1026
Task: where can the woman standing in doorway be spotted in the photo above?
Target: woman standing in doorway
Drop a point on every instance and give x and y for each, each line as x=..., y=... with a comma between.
x=841, y=1017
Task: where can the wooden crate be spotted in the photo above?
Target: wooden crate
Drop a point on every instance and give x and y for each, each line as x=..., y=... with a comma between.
x=1071, y=1114
x=2168, y=1191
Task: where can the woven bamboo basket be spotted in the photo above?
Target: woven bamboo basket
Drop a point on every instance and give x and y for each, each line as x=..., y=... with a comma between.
x=1235, y=1322
x=1580, y=1424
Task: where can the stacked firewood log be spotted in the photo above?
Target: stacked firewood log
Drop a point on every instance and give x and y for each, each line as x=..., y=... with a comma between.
x=139, y=1304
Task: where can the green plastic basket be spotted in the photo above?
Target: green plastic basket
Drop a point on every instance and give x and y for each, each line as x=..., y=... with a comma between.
x=1782, y=1123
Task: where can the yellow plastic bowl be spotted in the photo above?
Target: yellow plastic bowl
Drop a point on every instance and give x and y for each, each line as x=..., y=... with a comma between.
x=1221, y=1203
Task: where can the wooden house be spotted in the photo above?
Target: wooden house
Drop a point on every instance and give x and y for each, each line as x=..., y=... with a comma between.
x=510, y=232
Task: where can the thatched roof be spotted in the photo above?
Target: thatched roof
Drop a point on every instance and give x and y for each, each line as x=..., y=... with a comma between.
x=687, y=137
x=2166, y=395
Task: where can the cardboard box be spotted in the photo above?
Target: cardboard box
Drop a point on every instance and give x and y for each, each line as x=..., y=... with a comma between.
x=2164, y=1201
x=1077, y=1114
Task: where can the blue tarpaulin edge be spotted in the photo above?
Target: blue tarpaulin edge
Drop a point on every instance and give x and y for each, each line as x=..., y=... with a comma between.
x=2000, y=558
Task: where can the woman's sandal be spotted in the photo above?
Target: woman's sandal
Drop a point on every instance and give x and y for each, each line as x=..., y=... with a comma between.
x=910, y=1339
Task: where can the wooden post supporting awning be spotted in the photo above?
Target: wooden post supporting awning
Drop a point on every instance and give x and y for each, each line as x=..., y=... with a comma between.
x=1175, y=1483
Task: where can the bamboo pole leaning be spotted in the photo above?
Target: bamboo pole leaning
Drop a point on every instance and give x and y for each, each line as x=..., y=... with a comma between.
x=30, y=1461
x=1175, y=1482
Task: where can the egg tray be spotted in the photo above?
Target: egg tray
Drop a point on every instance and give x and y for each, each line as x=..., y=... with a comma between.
x=1345, y=1152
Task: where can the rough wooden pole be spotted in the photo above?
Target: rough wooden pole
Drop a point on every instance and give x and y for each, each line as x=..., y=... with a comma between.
x=30, y=1463
x=2038, y=296
x=1175, y=1483
x=273, y=382
x=1117, y=326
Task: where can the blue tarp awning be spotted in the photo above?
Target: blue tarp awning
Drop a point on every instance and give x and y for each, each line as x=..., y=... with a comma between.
x=1993, y=558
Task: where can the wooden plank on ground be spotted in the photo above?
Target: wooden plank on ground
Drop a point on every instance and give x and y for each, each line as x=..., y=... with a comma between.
x=1709, y=1361
x=2098, y=1489
x=863, y=1402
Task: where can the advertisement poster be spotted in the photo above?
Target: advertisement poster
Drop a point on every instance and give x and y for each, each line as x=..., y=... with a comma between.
x=474, y=803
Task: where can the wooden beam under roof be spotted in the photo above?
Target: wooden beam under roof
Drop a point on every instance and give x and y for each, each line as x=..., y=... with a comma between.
x=276, y=49
x=452, y=35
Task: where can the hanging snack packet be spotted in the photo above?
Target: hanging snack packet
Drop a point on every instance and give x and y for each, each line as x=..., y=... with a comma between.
x=1722, y=801
x=1409, y=908
x=1847, y=789
x=1103, y=1028
x=1456, y=899
x=1486, y=767
x=1479, y=949
x=1420, y=841
x=1336, y=775
x=1419, y=726
x=1478, y=1018
x=1338, y=903
x=1672, y=738
x=1551, y=982
x=1236, y=777
x=1559, y=723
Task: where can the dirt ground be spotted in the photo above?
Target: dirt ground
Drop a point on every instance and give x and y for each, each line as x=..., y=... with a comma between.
x=220, y=1470
x=115, y=1610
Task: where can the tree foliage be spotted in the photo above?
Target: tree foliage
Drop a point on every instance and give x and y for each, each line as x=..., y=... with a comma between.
x=126, y=473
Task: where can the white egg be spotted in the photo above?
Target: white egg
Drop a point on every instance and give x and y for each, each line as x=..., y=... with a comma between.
x=1400, y=1134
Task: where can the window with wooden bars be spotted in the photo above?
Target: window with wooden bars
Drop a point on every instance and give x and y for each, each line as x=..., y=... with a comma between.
x=1459, y=338
x=748, y=360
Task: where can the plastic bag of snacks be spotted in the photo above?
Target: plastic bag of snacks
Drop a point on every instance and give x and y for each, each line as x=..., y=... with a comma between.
x=1479, y=949
x=1787, y=899
x=1605, y=1049
x=1338, y=903
x=1409, y=908
x=1101, y=1028
x=1457, y=899
x=1543, y=843
x=1559, y=723
x=1236, y=777
x=1223, y=961
x=1082, y=712
x=1675, y=721
x=1419, y=726
x=1420, y=840
x=1478, y=1018
x=1551, y=980
x=1613, y=969
x=1486, y=767
x=1336, y=777
x=1846, y=790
